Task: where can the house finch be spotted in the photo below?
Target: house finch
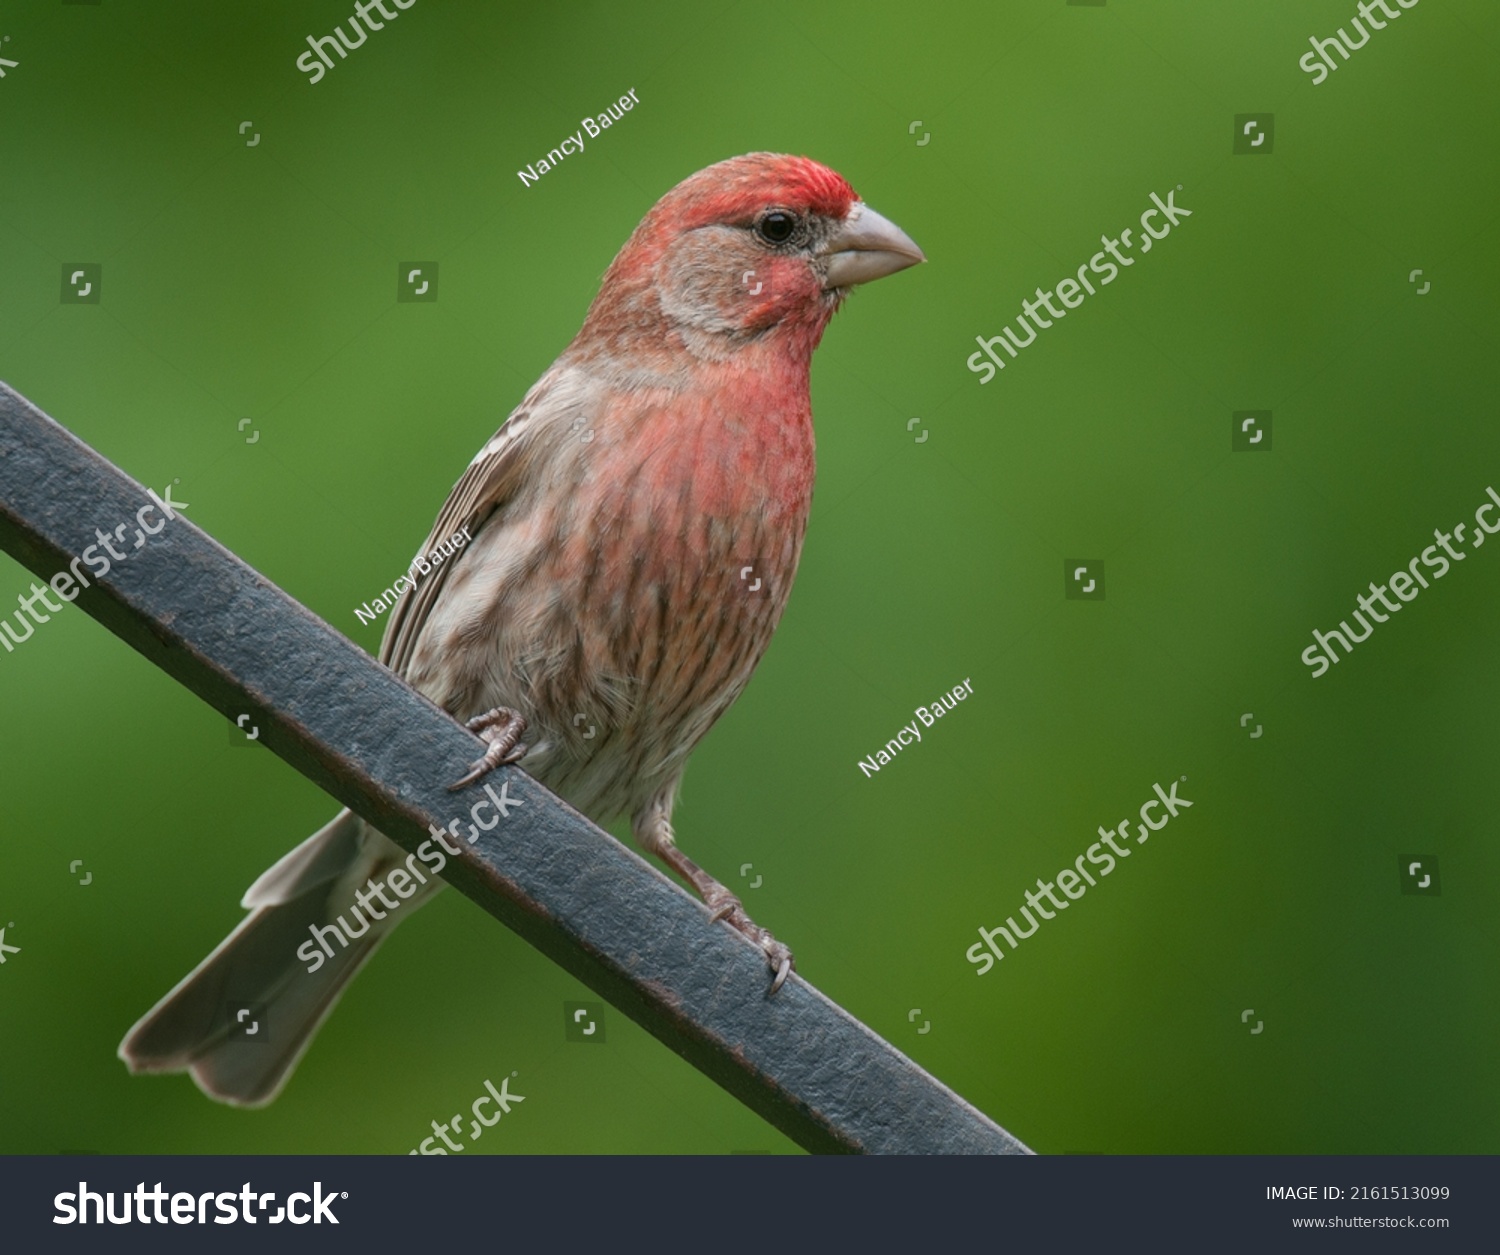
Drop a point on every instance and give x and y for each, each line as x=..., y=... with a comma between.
x=636, y=525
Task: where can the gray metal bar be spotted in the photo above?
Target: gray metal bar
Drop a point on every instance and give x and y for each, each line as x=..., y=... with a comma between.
x=571, y=890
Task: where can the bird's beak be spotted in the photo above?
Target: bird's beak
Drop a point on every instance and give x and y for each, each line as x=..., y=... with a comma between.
x=866, y=246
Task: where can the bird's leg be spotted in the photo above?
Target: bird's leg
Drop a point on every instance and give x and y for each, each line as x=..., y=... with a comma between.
x=501, y=730
x=654, y=832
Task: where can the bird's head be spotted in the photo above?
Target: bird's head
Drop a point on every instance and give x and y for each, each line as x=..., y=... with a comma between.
x=753, y=248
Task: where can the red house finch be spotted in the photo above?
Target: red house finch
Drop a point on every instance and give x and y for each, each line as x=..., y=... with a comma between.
x=636, y=525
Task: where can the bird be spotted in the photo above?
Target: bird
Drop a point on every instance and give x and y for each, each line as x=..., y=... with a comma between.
x=633, y=529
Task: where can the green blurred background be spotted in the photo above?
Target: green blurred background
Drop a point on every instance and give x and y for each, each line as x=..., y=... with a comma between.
x=259, y=282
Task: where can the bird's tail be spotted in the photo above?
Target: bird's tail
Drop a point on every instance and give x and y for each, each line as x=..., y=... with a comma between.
x=241, y=1020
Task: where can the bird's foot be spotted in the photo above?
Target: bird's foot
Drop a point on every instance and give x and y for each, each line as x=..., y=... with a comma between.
x=723, y=905
x=501, y=730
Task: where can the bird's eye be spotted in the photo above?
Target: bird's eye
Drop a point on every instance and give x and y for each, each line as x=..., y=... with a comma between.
x=776, y=227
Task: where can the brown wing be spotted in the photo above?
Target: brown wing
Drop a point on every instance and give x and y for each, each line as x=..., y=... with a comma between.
x=491, y=481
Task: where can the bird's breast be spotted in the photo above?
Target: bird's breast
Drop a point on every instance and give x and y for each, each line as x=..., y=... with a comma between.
x=624, y=601
x=687, y=527
x=695, y=519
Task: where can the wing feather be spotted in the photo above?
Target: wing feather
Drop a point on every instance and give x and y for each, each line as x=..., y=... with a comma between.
x=488, y=485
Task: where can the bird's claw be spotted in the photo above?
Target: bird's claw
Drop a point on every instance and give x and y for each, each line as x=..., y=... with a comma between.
x=782, y=972
x=482, y=767
x=728, y=908
x=501, y=730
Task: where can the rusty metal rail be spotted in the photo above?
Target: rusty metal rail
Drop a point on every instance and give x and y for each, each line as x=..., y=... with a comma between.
x=357, y=731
